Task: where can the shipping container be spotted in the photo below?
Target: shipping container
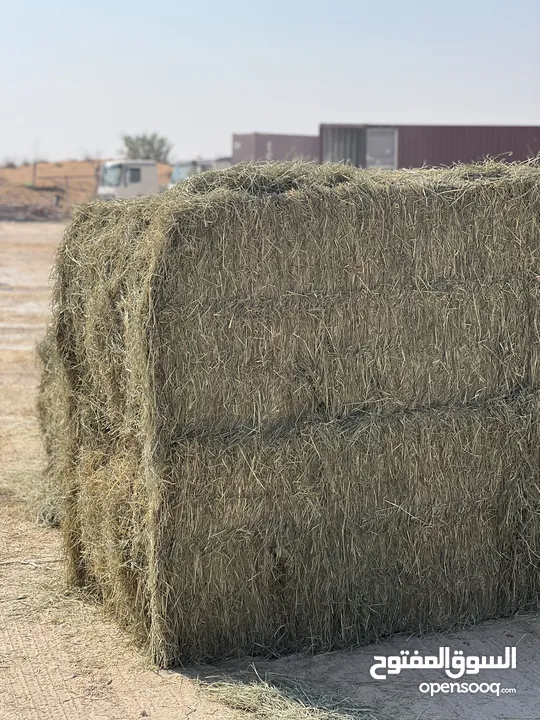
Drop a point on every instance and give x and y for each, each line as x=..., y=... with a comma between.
x=434, y=145
x=390, y=147
x=266, y=146
x=343, y=143
x=410, y=146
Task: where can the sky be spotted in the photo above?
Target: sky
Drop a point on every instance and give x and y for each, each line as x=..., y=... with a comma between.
x=75, y=75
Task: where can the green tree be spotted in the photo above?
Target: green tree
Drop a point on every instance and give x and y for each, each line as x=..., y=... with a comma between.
x=146, y=147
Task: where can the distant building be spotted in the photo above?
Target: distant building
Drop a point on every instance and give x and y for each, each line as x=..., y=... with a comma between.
x=264, y=146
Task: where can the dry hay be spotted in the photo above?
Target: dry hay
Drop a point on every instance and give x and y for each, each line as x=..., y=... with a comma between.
x=263, y=700
x=52, y=411
x=299, y=405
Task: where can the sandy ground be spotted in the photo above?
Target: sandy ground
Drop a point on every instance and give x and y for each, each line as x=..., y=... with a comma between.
x=60, y=658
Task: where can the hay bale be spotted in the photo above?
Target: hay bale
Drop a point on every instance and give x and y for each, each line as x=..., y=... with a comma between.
x=52, y=411
x=301, y=405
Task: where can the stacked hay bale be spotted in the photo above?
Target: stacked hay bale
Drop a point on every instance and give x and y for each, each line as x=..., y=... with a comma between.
x=52, y=411
x=301, y=405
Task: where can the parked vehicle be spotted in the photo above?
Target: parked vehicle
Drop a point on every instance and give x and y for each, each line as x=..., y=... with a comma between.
x=127, y=179
x=221, y=163
x=187, y=168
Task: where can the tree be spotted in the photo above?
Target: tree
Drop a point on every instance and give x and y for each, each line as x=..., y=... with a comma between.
x=146, y=147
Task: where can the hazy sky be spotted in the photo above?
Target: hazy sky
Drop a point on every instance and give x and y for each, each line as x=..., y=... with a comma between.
x=76, y=74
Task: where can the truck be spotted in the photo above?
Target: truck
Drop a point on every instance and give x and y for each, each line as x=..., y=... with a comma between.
x=127, y=179
x=187, y=168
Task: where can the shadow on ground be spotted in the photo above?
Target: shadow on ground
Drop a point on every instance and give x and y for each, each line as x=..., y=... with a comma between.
x=340, y=683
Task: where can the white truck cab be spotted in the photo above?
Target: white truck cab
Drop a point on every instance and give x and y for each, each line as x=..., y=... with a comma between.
x=187, y=168
x=127, y=179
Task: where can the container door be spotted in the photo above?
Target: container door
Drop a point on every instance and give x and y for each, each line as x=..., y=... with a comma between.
x=382, y=148
x=342, y=143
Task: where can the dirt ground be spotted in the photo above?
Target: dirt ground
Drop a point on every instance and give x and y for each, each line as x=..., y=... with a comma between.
x=60, y=658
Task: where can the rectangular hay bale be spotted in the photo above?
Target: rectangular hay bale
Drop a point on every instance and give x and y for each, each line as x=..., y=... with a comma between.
x=300, y=405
